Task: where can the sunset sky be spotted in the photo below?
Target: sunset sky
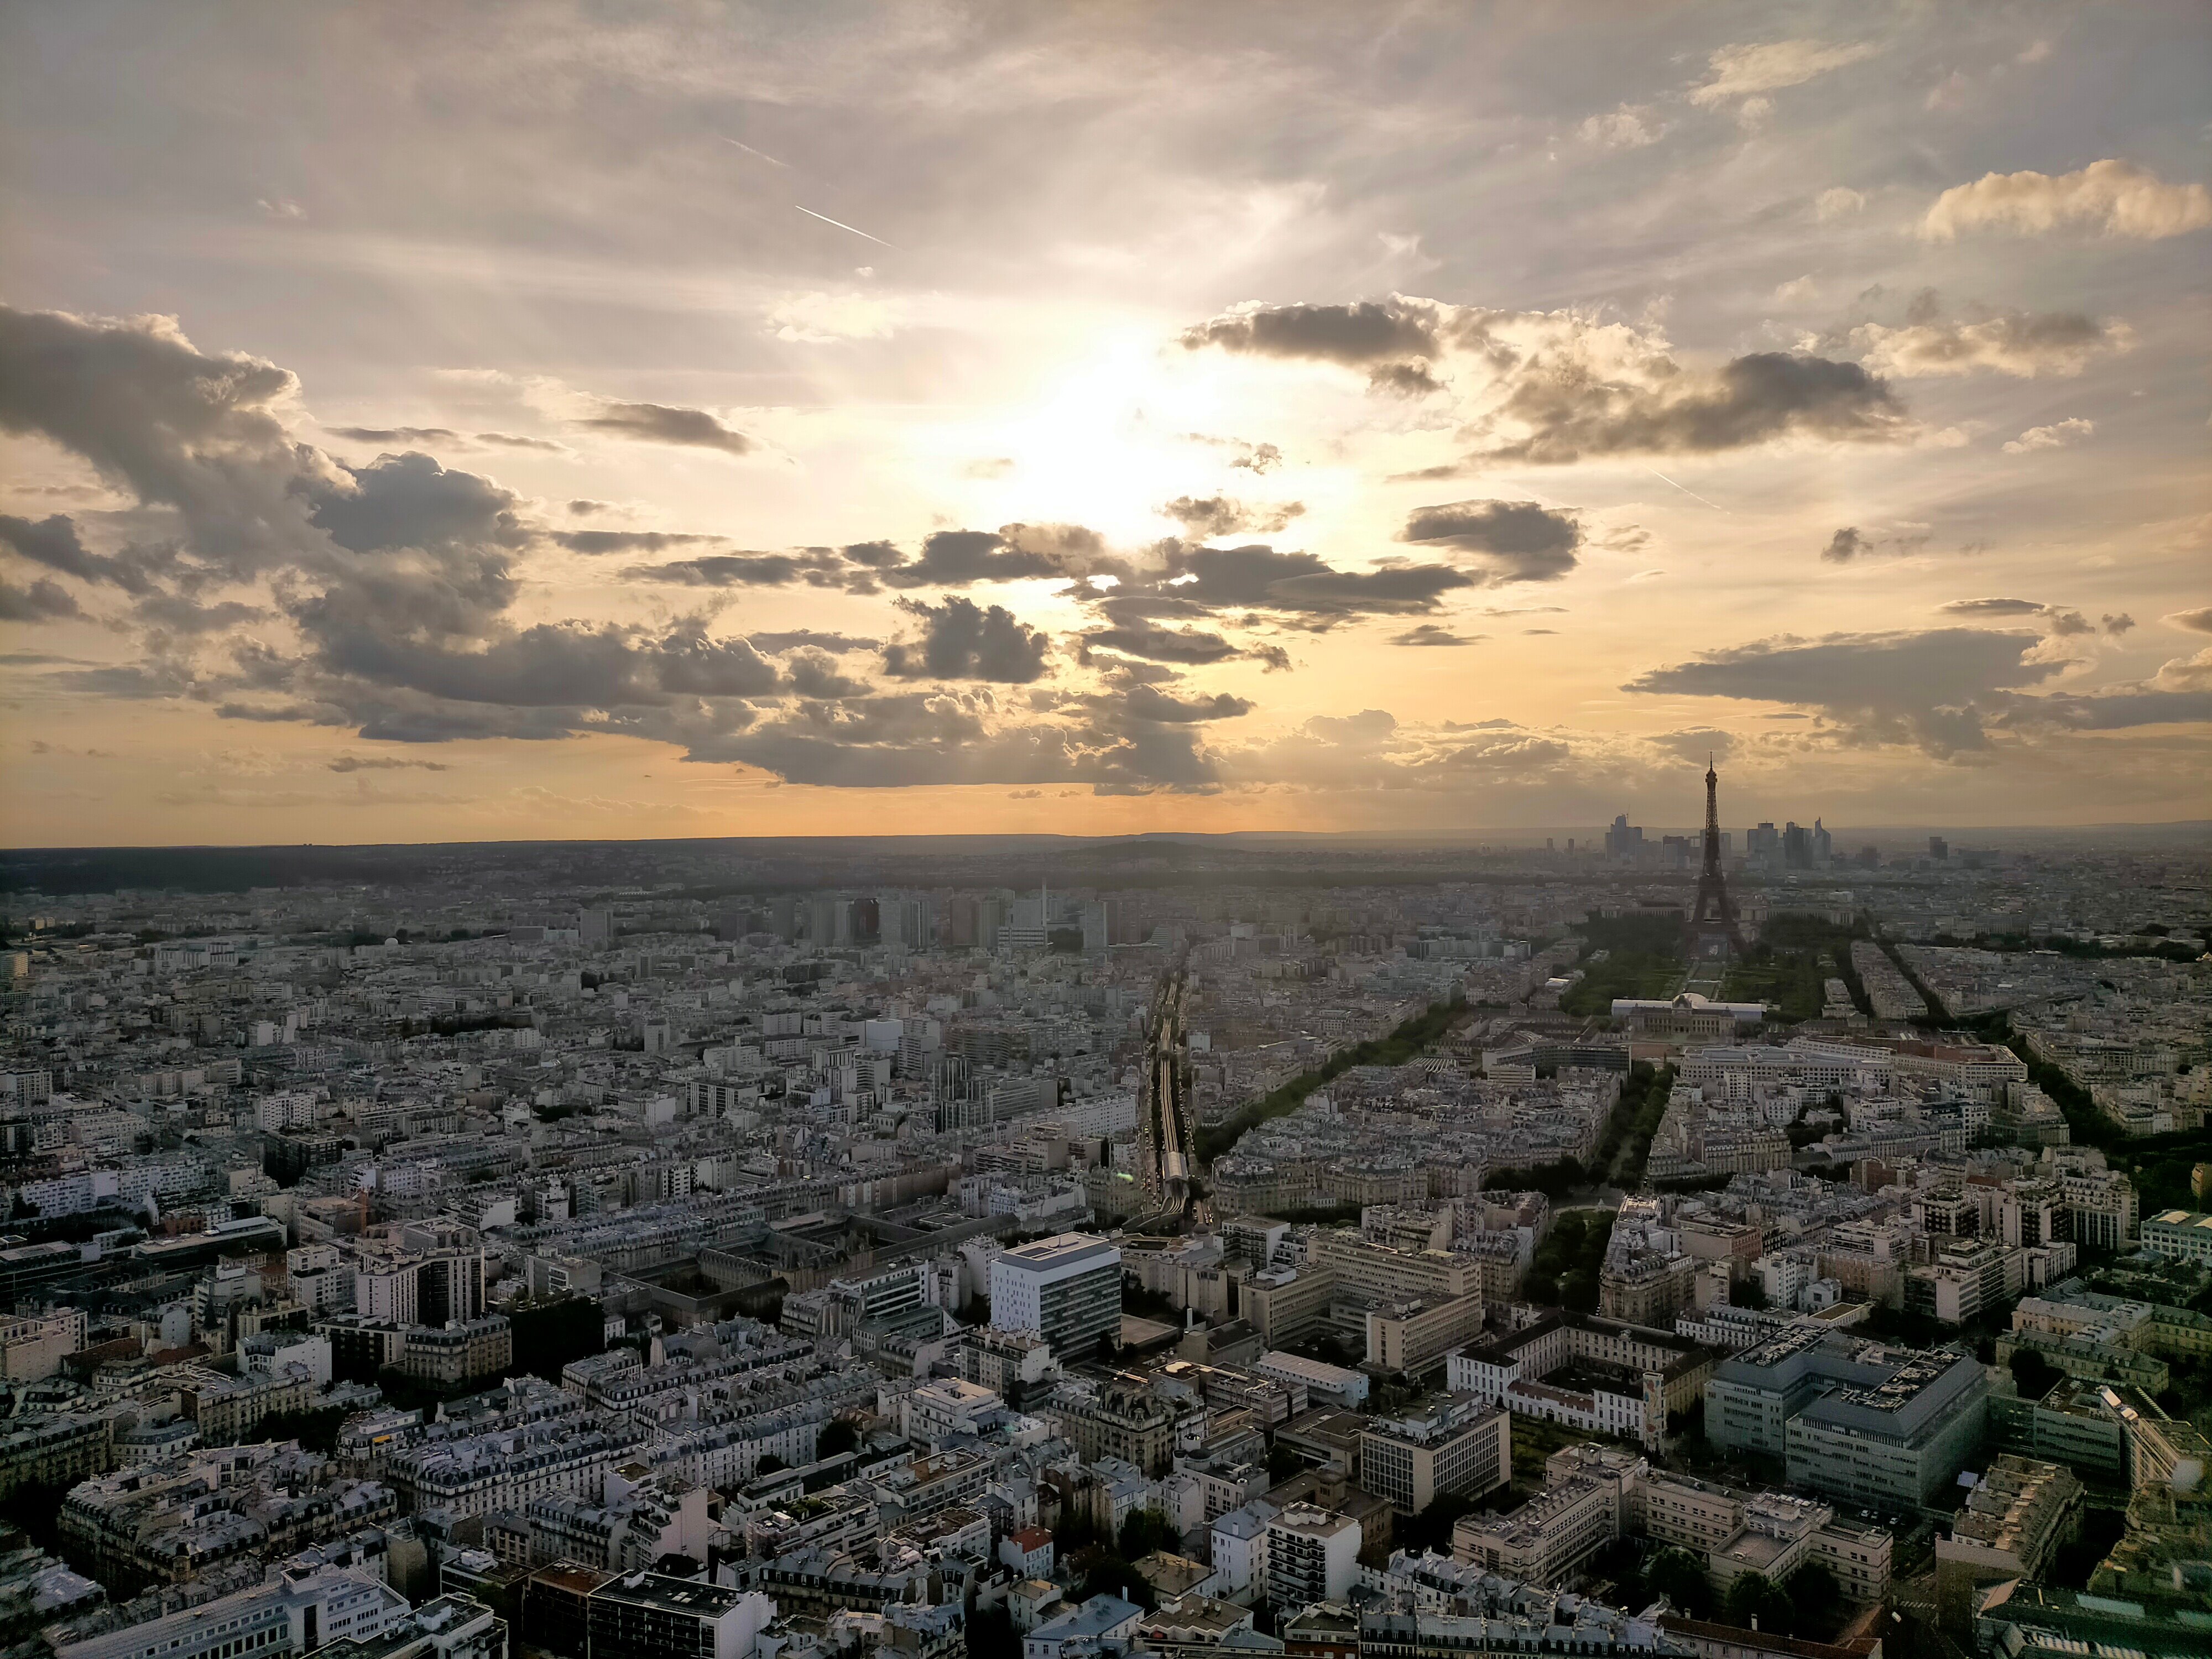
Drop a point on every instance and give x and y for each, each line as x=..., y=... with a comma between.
x=433, y=422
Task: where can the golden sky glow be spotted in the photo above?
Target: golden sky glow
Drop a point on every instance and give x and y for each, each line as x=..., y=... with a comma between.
x=426, y=425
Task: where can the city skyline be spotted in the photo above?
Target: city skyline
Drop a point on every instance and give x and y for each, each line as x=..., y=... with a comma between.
x=531, y=424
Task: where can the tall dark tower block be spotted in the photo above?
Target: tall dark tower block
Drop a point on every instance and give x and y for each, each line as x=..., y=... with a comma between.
x=1712, y=929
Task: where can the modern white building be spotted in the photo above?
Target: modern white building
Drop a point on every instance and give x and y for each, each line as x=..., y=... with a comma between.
x=1313, y=1555
x=1066, y=1288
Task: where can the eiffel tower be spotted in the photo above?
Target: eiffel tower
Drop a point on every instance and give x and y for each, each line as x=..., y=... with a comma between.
x=1712, y=926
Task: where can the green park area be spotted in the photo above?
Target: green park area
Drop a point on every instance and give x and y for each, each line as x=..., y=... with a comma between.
x=1788, y=966
x=1637, y=955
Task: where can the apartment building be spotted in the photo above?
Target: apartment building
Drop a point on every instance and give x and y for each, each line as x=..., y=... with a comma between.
x=293, y=1613
x=1857, y=1421
x=1313, y=1555
x=1453, y=1442
x=1414, y=1336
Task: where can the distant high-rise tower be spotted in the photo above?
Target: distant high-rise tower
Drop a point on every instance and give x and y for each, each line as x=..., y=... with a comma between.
x=1712, y=928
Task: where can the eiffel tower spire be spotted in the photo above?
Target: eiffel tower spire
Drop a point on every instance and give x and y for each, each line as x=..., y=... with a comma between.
x=1712, y=926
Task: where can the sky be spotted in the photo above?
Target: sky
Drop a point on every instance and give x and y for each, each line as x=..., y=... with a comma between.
x=422, y=422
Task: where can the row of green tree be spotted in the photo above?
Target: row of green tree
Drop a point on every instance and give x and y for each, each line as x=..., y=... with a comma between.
x=1563, y=1273
x=1410, y=1038
x=1809, y=1604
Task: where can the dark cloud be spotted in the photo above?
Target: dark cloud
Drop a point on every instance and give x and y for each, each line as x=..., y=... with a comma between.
x=179, y=428
x=1932, y=688
x=2103, y=711
x=583, y=507
x=1430, y=634
x=385, y=763
x=1405, y=380
x=954, y=558
x=1176, y=645
x=2065, y=624
x=1557, y=387
x=53, y=542
x=1845, y=546
x=1513, y=541
x=626, y=541
x=409, y=500
x=1148, y=702
x=813, y=672
x=1392, y=590
x=1755, y=399
x=43, y=600
x=1986, y=607
x=2196, y=622
x=660, y=423
x=1259, y=457
x=2116, y=624
x=182, y=615
x=1356, y=335
x=962, y=641
x=1204, y=516
x=1277, y=660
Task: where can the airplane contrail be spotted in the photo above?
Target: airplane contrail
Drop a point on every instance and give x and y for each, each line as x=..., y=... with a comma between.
x=842, y=225
x=750, y=150
x=1685, y=488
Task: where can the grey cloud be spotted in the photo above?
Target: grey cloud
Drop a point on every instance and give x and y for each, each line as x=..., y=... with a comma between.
x=1259, y=577
x=661, y=423
x=409, y=500
x=962, y=640
x=1148, y=702
x=739, y=570
x=385, y=763
x=1851, y=543
x=1557, y=388
x=835, y=643
x=2018, y=343
x=2196, y=622
x=1931, y=688
x=583, y=507
x=965, y=737
x=1356, y=335
x=2064, y=622
x=2117, y=625
x=1183, y=645
x=182, y=615
x=956, y=557
x=1754, y=399
x=53, y=542
x=626, y=541
x=181, y=427
x=44, y=600
x=515, y=440
x=1221, y=515
x=813, y=672
x=2106, y=711
x=1391, y=590
x=1430, y=634
x=396, y=435
x=1985, y=607
x=1696, y=743
x=1513, y=541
